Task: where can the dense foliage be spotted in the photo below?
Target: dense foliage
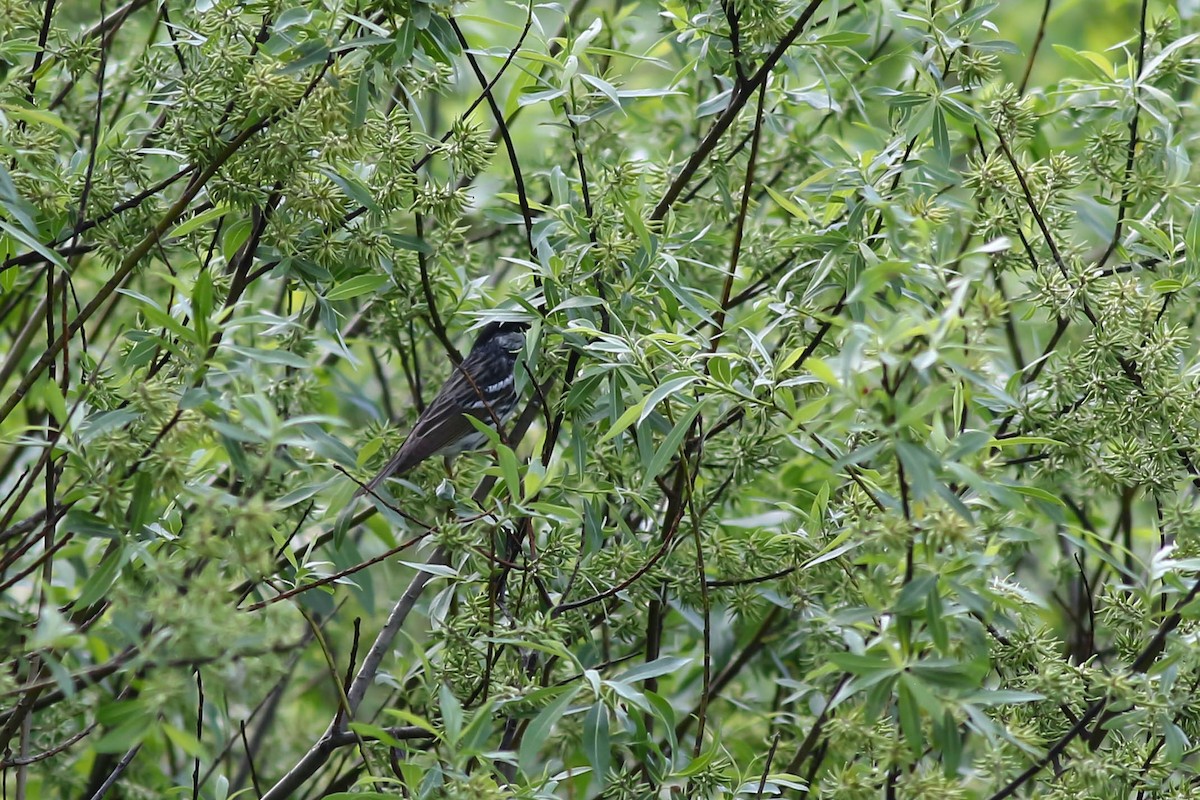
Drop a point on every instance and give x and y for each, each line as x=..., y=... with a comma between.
x=861, y=427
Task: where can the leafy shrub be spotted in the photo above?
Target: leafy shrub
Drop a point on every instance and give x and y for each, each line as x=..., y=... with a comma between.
x=859, y=445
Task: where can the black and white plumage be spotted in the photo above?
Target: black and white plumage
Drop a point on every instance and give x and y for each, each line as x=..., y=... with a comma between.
x=482, y=386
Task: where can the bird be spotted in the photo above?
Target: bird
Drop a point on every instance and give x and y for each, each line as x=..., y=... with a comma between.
x=483, y=386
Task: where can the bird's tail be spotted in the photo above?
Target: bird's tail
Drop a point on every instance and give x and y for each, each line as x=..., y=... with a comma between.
x=396, y=465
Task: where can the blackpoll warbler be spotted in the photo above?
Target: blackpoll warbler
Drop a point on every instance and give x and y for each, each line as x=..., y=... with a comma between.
x=482, y=386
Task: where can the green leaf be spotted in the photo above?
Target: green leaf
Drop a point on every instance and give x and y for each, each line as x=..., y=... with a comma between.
x=88, y=524
x=997, y=697
x=157, y=316
x=410, y=718
x=511, y=471
x=452, y=714
x=604, y=87
x=1176, y=742
x=103, y=577
x=822, y=371
x=440, y=570
x=234, y=236
x=413, y=243
x=485, y=427
x=202, y=295
x=787, y=205
x=596, y=744
x=127, y=723
x=33, y=244
x=56, y=404
x=950, y=742
x=624, y=421
x=670, y=446
x=12, y=202
x=919, y=464
x=474, y=736
x=105, y=421
x=377, y=732
x=1191, y=239
x=1038, y=494
x=522, y=83
x=1153, y=64
x=275, y=357
x=185, y=741
x=661, y=392
x=910, y=717
x=664, y=711
x=540, y=727
x=362, y=104
x=198, y=221
x=1099, y=66
x=654, y=669
x=941, y=136
x=406, y=37
x=139, y=503
x=863, y=664
x=202, y=304
x=842, y=39
x=697, y=765
x=39, y=117
x=309, y=54
x=356, y=286
x=935, y=620
x=353, y=188
x=290, y=17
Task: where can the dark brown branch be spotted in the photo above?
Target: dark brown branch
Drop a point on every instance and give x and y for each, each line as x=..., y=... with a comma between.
x=737, y=101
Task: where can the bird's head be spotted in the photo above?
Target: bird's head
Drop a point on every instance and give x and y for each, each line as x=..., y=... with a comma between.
x=508, y=336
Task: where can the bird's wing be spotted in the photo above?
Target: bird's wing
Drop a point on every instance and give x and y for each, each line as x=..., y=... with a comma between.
x=441, y=423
